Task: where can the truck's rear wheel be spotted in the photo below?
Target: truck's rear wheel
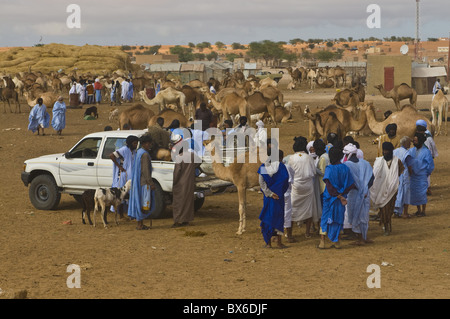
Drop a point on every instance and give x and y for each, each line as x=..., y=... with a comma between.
x=160, y=204
x=44, y=193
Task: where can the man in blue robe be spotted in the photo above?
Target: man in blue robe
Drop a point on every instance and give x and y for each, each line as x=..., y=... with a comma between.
x=130, y=91
x=59, y=115
x=422, y=167
x=38, y=118
x=274, y=182
x=403, y=193
x=123, y=159
x=358, y=199
x=141, y=202
x=339, y=182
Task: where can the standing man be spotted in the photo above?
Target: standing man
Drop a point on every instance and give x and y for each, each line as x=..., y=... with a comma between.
x=422, y=167
x=130, y=94
x=274, y=182
x=59, y=115
x=125, y=86
x=141, y=202
x=183, y=183
x=339, y=181
x=390, y=136
x=38, y=118
x=383, y=194
x=358, y=199
x=204, y=115
x=421, y=127
x=404, y=193
x=123, y=160
x=304, y=205
x=98, y=91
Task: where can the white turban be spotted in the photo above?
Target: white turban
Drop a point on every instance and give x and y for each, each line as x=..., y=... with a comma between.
x=350, y=149
x=260, y=123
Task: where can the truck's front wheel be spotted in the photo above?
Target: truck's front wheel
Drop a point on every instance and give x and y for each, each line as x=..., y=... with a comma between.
x=43, y=192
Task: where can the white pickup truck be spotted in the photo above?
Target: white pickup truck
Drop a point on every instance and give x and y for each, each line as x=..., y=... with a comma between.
x=87, y=165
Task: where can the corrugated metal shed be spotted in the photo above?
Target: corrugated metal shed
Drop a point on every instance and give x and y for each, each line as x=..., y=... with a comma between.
x=166, y=67
x=190, y=67
x=428, y=72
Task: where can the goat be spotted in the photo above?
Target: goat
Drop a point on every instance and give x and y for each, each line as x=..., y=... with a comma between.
x=113, y=115
x=106, y=197
x=91, y=111
x=87, y=202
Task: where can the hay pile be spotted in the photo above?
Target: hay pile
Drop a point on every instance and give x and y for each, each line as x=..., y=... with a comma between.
x=53, y=57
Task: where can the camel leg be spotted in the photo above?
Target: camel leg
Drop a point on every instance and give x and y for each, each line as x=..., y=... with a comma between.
x=242, y=194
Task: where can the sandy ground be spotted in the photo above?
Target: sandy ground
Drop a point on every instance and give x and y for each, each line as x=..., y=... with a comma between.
x=207, y=259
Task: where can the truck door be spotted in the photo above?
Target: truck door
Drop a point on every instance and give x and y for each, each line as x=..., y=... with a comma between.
x=79, y=166
x=105, y=164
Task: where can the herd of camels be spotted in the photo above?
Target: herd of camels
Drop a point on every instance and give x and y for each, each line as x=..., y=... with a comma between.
x=239, y=96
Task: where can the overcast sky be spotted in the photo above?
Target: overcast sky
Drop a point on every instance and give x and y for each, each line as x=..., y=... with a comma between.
x=132, y=22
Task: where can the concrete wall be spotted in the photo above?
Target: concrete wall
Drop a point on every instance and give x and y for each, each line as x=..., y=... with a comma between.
x=375, y=70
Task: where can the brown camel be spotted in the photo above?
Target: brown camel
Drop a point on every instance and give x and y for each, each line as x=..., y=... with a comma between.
x=168, y=116
x=333, y=125
x=350, y=97
x=296, y=75
x=257, y=103
x=326, y=84
x=231, y=105
x=405, y=120
x=283, y=114
x=243, y=175
x=354, y=123
x=136, y=117
x=8, y=94
x=398, y=93
x=273, y=94
x=439, y=111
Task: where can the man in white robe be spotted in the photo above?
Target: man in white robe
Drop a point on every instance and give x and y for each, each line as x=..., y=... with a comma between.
x=125, y=88
x=304, y=203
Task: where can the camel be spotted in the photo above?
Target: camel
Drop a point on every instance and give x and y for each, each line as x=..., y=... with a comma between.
x=230, y=105
x=225, y=91
x=296, y=75
x=350, y=122
x=439, y=111
x=257, y=103
x=49, y=98
x=326, y=84
x=273, y=94
x=350, y=97
x=243, y=175
x=398, y=93
x=311, y=76
x=168, y=116
x=405, y=120
x=283, y=114
x=136, y=117
x=165, y=97
x=7, y=94
x=333, y=125
x=333, y=73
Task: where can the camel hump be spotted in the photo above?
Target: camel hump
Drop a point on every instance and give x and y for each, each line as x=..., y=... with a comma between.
x=405, y=84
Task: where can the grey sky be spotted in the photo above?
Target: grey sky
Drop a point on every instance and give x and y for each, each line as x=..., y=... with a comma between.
x=23, y=22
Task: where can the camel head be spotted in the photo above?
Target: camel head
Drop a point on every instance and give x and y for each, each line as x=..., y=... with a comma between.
x=379, y=86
